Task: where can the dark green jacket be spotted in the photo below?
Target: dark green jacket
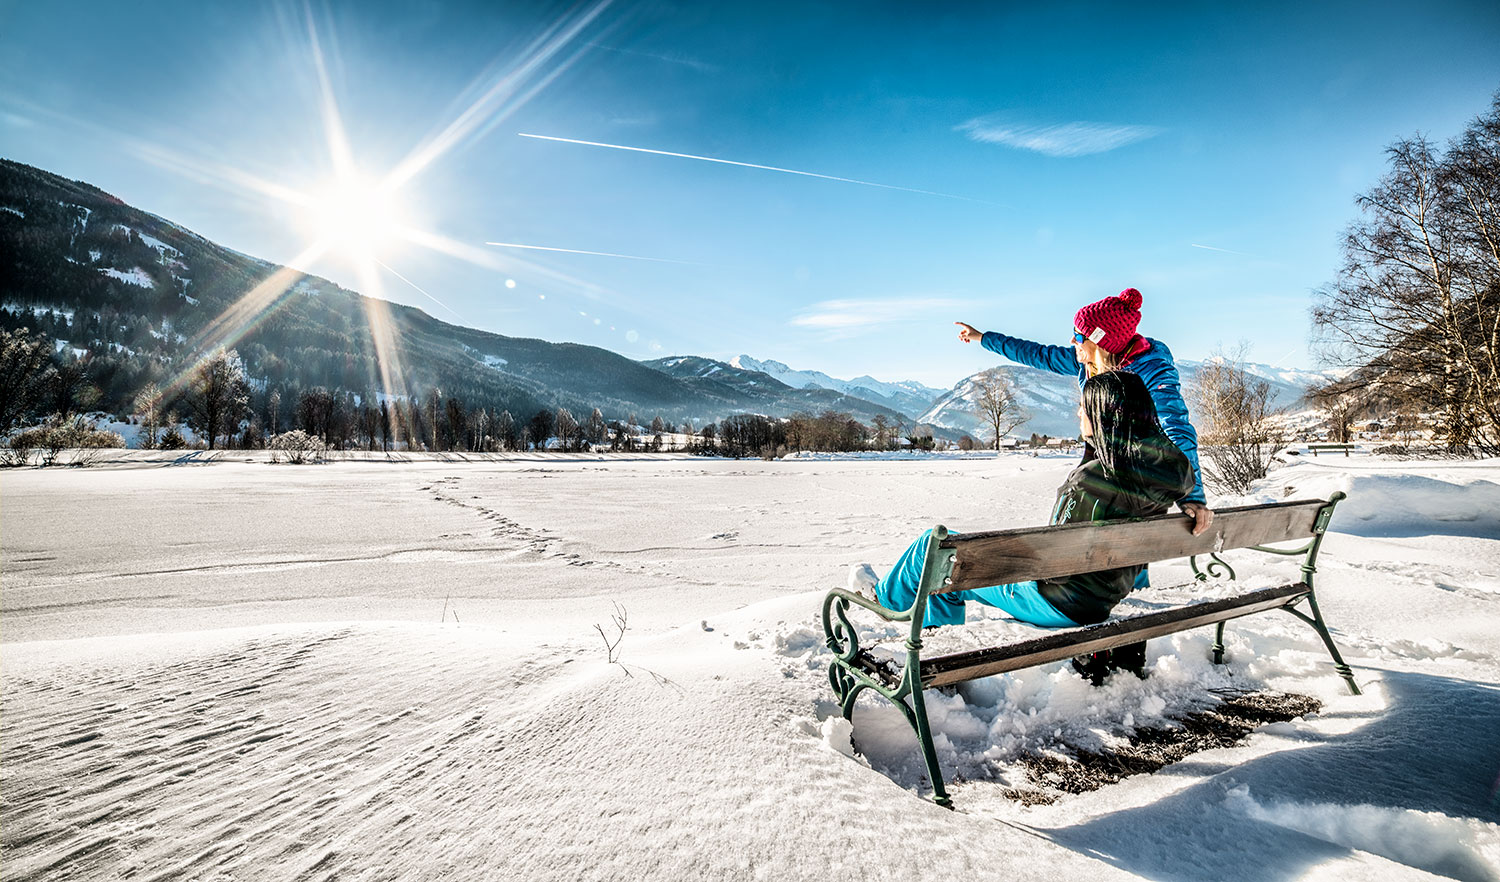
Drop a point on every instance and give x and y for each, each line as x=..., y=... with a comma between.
x=1091, y=495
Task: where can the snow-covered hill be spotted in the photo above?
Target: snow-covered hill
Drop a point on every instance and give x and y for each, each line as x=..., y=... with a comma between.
x=904, y=396
x=1051, y=399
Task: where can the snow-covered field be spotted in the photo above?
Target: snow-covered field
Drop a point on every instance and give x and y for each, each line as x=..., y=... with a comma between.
x=375, y=670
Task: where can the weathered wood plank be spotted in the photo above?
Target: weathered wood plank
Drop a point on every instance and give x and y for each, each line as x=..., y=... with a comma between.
x=961, y=666
x=995, y=558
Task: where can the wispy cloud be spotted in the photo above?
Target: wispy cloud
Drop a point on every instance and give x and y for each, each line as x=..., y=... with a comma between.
x=846, y=318
x=668, y=57
x=1063, y=139
x=641, y=119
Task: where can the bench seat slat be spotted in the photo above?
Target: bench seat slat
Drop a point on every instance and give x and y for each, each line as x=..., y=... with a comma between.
x=960, y=666
x=996, y=558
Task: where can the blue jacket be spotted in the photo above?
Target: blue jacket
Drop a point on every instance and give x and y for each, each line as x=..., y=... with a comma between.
x=1154, y=366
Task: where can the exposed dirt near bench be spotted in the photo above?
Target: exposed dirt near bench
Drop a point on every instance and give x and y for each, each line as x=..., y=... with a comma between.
x=1051, y=776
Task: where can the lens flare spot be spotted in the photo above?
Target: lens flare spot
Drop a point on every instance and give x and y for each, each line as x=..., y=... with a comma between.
x=510, y=283
x=632, y=336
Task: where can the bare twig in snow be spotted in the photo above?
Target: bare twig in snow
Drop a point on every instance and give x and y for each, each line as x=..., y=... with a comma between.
x=611, y=647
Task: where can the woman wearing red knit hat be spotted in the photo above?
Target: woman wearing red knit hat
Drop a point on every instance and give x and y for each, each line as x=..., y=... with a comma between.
x=1105, y=339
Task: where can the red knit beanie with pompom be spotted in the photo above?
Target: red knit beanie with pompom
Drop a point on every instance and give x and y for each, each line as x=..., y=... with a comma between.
x=1111, y=322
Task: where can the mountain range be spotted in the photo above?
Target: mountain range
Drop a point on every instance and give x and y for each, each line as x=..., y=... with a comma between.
x=1052, y=399
x=139, y=299
x=907, y=396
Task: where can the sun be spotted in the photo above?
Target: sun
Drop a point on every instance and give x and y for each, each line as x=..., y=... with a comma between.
x=355, y=216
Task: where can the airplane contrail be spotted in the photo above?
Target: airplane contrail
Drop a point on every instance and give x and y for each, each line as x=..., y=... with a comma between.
x=596, y=253
x=1277, y=362
x=789, y=171
x=420, y=291
x=1212, y=248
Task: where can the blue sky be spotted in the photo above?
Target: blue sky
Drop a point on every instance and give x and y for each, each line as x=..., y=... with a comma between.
x=1207, y=156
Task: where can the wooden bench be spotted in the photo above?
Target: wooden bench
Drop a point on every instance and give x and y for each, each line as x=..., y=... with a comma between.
x=1330, y=448
x=976, y=560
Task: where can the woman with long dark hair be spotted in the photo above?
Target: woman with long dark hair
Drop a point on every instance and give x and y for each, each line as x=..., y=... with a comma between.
x=1105, y=339
x=1130, y=469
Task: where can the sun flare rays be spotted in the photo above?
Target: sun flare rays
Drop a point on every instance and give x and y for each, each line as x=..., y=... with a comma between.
x=356, y=217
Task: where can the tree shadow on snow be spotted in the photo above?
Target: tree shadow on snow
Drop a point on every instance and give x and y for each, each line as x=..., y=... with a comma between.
x=1435, y=749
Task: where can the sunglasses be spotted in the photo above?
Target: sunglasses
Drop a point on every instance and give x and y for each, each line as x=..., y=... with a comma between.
x=1079, y=338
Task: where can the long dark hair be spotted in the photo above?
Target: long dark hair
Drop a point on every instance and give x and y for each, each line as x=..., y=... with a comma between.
x=1127, y=437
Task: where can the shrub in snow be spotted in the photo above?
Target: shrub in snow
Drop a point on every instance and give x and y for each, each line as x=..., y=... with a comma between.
x=296, y=447
x=1238, y=431
x=11, y=457
x=49, y=441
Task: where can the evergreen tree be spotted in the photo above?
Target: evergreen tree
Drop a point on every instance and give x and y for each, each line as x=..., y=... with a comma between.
x=541, y=428
x=595, y=430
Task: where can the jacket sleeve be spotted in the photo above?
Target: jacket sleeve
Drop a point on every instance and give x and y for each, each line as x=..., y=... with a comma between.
x=1165, y=385
x=1057, y=359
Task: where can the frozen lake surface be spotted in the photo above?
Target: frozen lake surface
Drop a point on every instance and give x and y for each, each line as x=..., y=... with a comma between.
x=389, y=670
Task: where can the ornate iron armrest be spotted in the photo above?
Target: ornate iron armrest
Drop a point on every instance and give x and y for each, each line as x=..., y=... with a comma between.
x=868, y=603
x=839, y=631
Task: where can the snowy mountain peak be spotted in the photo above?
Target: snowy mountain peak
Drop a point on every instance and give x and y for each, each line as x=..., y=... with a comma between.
x=1052, y=399
x=770, y=366
x=906, y=396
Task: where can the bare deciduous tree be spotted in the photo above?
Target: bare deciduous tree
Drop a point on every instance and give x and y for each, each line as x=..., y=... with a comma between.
x=1417, y=301
x=505, y=430
x=273, y=412
x=148, y=411
x=997, y=402
x=220, y=394
x=24, y=363
x=568, y=429
x=1238, y=434
x=1344, y=401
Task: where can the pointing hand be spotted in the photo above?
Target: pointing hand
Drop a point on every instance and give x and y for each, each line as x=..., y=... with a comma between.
x=968, y=333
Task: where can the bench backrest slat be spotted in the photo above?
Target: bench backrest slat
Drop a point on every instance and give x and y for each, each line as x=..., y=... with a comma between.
x=958, y=667
x=996, y=558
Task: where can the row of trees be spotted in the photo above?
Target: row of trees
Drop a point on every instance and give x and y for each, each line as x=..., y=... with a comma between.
x=220, y=404
x=220, y=411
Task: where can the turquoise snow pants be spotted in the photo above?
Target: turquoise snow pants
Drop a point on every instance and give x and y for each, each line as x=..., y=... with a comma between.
x=1021, y=600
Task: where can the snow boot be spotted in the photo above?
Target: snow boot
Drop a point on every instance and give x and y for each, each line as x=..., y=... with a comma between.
x=1093, y=667
x=1097, y=666
x=1130, y=658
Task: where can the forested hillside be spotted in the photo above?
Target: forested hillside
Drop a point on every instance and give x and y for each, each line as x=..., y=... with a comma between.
x=131, y=300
